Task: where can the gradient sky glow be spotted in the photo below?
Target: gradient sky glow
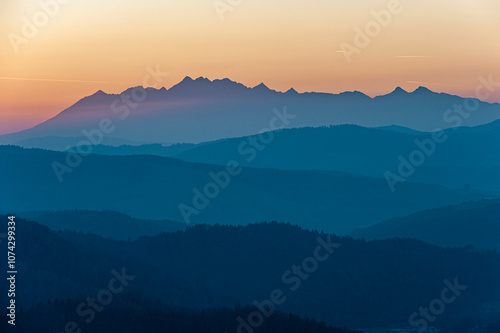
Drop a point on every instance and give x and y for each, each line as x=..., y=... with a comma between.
x=108, y=44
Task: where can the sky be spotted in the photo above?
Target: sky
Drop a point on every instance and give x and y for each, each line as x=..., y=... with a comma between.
x=55, y=52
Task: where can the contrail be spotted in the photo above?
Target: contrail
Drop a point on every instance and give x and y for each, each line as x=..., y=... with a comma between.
x=52, y=80
x=434, y=83
x=414, y=56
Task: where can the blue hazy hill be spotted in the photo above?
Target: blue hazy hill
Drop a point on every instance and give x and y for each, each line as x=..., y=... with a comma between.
x=476, y=224
x=104, y=223
x=152, y=187
x=465, y=158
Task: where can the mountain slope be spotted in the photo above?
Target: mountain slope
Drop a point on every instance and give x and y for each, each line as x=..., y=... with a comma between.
x=151, y=187
x=476, y=224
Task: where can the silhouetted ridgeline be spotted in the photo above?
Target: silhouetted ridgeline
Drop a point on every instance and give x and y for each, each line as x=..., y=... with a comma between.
x=361, y=284
x=181, y=113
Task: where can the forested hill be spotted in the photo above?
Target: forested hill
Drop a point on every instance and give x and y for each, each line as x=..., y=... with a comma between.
x=132, y=314
x=361, y=284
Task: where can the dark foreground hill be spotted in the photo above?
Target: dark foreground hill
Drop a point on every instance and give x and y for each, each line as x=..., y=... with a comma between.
x=352, y=283
x=476, y=224
x=152, y=187
x=131, y=313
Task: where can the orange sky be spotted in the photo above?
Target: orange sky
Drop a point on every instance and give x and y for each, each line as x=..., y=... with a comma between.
x=108, y=44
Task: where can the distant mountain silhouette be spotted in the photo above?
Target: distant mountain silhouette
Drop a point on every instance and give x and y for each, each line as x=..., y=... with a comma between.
x=183, y=113
x=396, y=93
x=152, y=187
x=476, y=224
x=220, y=266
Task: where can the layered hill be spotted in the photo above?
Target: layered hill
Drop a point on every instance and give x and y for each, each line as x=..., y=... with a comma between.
x=476, y=224
x=104, y=223
x=152, y=187
x=463, y=157
x=220, y=266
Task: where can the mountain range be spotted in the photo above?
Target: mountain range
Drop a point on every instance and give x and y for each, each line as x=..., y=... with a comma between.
x=211, y=194
x=200, y=110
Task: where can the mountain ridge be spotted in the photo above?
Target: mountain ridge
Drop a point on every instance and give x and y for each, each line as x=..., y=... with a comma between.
x=182, y=113
x=187, y=80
